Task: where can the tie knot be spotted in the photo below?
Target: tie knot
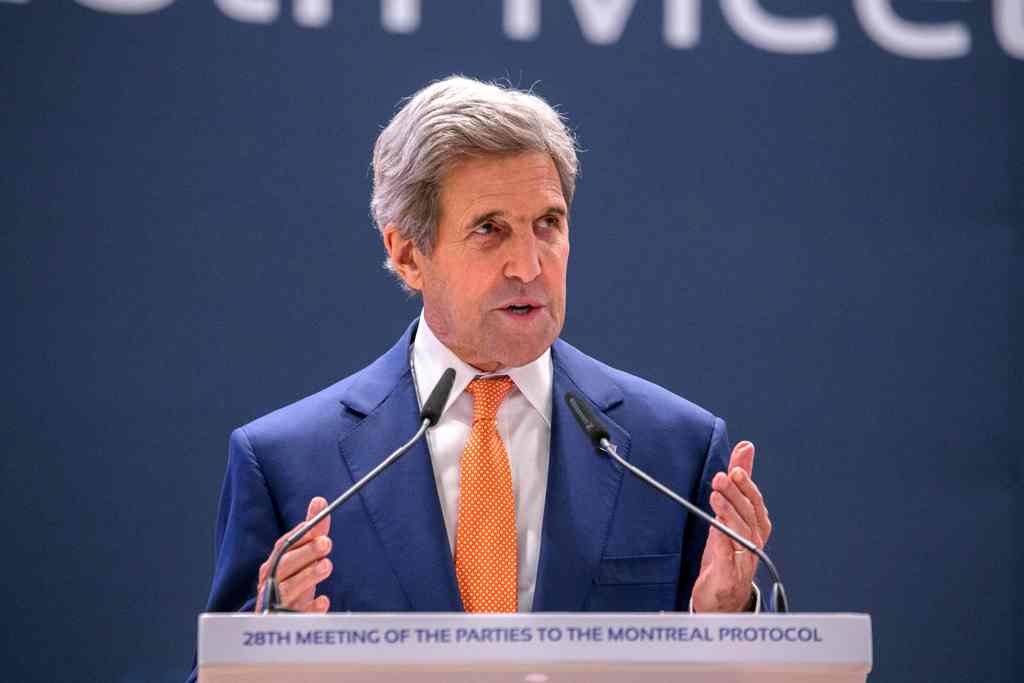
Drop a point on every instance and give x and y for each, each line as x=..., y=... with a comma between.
x=488, y=393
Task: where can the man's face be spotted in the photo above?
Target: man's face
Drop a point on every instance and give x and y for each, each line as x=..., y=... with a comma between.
x=494, y=286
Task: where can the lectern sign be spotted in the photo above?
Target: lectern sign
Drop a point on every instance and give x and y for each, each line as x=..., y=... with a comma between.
x=556, y=647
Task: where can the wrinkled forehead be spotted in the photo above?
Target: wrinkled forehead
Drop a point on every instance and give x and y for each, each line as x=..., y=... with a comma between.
x=521, y=179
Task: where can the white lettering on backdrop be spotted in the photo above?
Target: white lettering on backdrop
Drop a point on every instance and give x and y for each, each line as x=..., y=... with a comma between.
x=602, y=22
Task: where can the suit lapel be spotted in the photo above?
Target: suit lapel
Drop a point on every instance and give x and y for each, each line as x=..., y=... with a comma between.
x=401, y=502
x=582, y=487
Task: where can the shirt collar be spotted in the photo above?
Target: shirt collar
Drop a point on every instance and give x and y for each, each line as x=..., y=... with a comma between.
x=430, y=358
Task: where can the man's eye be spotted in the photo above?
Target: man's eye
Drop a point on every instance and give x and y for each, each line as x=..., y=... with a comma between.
x=550, y=221
x=485, y=229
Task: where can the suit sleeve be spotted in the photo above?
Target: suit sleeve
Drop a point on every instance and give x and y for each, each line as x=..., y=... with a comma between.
x=247, y=528
x=716, y=459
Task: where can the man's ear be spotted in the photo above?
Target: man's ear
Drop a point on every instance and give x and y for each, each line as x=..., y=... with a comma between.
x=405, y=257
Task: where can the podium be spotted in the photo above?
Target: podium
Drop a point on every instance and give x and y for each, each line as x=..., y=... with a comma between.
x=534, y=648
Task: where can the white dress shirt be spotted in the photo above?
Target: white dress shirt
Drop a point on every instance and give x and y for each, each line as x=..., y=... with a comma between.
x=524, y=424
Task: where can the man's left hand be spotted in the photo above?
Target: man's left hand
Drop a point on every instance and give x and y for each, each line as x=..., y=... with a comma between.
x=727, y=569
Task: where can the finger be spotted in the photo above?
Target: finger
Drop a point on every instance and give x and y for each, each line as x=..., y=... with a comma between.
x=732, y=519
x=292, y=589
x=322, y=528
x=315, y=507
x=300, y=554
x=294, y=561
x=259, y=599
x=753, y=494
x=743, y=562
x=720, y=546
x=320, y=603
x=305, y=598
x=723, y=569
x=726, y=485
x=743, y=457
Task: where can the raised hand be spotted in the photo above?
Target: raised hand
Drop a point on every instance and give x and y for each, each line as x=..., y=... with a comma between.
x=725, y=583
x=303, y=566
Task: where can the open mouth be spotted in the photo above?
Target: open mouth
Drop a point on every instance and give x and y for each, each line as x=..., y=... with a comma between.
x=522, y=310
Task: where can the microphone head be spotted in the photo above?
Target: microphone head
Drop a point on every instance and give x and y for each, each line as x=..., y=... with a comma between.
x=588, y=421
x=434, y=405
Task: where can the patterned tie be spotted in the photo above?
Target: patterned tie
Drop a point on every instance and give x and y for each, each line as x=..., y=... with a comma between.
x=485, y=540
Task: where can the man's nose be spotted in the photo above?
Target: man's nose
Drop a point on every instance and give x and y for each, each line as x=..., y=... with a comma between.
x=522, y=261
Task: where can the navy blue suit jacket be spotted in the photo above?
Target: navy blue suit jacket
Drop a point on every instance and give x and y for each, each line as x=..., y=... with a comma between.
x=608, y=541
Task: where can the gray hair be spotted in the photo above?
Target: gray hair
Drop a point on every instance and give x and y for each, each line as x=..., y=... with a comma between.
x=448, y=120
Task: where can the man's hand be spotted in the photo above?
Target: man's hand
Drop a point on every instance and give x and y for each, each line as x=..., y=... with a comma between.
x=727, y=569
x=303, y=566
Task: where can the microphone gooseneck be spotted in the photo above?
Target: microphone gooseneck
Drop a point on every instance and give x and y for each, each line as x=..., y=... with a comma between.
x=602, y=442
x=429, y=416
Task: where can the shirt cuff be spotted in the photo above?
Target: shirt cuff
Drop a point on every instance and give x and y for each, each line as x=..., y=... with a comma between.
x=757, y=600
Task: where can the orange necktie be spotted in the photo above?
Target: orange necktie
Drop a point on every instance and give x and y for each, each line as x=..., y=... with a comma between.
x=485, y=539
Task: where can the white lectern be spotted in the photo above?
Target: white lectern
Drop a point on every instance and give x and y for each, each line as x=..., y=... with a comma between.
x=534, y=648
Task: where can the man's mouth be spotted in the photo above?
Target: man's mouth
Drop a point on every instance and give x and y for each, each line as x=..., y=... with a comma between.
x=524, y=309
x=520, y=310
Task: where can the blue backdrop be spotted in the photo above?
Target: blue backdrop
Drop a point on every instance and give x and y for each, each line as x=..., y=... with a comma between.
x=805, y=216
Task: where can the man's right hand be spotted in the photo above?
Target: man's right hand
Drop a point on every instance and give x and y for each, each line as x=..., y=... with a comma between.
x=302, y=567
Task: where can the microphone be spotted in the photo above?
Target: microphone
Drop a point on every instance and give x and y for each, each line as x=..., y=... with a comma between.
x=599, y=436
x=429, y=416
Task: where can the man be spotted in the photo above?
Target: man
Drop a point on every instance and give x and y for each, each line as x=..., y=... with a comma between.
x=505, y=507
